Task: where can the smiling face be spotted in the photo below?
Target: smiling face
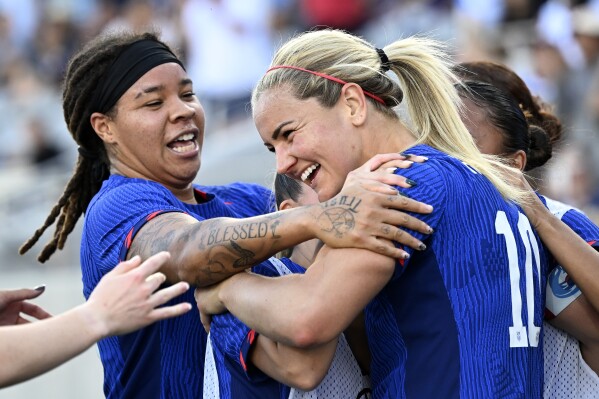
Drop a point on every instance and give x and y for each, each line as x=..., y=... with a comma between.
x=312, y=143
x=158, y=130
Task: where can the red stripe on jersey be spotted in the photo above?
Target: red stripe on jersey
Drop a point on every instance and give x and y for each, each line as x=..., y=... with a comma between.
x=592, y=242
x=152, y=215
x=250, y=339
x=128, y=239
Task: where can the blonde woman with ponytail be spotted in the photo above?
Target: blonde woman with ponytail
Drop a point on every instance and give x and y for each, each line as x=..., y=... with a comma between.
x=459, y=319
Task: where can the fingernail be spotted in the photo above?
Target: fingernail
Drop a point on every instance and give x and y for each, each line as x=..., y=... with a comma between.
x=430, y=229
x=423, y=157
x=411, y=182
x=406, y=255
x=408, y=156
x=403, y=194
x=40, y=288
x=422, y=247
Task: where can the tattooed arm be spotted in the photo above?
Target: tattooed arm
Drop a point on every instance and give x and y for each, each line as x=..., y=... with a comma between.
x=208, y=251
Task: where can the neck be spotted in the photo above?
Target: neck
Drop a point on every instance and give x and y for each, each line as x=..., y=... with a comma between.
x=184, y=193
x=386, y=136
x=304, y=253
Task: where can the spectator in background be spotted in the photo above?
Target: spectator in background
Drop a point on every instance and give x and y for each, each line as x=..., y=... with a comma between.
x=228, y=46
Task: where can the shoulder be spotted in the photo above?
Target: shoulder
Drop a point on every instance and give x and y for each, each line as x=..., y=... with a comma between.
x=123, y=190
x=575, y=219
x=248, y=199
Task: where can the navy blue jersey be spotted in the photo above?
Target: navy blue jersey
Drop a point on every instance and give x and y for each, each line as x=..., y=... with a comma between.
x=461, y=319
x=166, y=359
x=229, y=374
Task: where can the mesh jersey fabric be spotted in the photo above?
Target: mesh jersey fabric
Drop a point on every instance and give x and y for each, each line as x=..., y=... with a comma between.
x=567, y=375
x=164, y=360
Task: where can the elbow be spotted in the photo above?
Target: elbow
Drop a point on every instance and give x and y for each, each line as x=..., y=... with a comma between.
x=307, y=380
x=306, y=374
x=311, y=330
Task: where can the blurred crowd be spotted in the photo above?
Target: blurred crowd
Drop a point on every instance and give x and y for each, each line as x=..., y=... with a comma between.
x=227, y=44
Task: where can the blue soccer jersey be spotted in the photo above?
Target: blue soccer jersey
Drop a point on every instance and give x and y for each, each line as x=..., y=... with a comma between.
x=463, y=318
x=166, y=359
x=229, y=374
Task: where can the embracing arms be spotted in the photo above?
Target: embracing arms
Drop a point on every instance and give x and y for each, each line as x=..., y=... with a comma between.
x=364, y=215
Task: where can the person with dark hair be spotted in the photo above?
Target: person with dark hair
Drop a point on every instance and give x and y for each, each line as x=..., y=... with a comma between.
x=131, y=109
x=500, y=127
x=461, y=318
x=126, y=299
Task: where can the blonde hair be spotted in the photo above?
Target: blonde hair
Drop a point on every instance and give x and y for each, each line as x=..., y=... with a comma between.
x=426, y=86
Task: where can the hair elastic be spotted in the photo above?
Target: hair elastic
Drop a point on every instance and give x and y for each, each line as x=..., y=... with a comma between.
x=385, y=64
x=329, y=77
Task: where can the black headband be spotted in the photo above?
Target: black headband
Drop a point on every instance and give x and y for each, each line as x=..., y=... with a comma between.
x=131, y=64
x=385, y=64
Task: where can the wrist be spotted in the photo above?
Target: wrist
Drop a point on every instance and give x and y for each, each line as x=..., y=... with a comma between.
x=92, y=321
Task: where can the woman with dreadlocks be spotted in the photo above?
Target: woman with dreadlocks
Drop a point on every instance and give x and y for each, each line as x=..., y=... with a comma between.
x=130, y=107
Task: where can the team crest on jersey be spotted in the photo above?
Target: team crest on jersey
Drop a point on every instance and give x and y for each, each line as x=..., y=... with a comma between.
x=561, y=284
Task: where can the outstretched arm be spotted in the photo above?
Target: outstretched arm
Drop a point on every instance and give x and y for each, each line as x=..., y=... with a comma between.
x=366, y=214
x=125, y=300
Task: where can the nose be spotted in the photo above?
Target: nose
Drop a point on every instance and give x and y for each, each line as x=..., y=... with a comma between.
x=285, y=161
x=183, y=110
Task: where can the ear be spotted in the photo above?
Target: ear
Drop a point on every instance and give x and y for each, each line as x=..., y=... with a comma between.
x=288, y=204
x=520, y=160
x=352, y=96
x=100, y=123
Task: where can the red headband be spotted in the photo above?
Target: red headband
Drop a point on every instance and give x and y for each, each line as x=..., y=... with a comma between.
x=329, y=77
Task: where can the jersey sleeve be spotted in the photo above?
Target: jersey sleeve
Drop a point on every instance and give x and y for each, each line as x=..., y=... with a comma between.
x=246, y=199
x=113, y=219
x=561, y=290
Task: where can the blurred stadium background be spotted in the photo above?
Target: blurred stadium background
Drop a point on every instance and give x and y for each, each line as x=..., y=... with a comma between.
x=227, y=44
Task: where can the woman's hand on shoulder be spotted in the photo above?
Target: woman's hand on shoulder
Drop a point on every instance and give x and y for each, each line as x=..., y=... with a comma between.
x=369, y=213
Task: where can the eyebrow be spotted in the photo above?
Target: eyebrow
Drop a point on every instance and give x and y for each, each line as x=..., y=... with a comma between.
x=153, y=89
x=277, y=131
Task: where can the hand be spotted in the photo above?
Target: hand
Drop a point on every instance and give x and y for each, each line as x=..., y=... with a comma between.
x=126, y=298
x=366, y=213
x=207, y=299
x=13, y=303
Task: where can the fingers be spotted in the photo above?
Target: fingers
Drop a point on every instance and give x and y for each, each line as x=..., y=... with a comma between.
x=34, y=311
x=406, y=204
x=154, y=263
x=127, y=265
x=164, y=295
x=375, y=162
x=10, y=296
x=206, y=320
x=168, y=312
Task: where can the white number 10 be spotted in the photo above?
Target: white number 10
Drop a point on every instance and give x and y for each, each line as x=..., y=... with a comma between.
x=518, y=333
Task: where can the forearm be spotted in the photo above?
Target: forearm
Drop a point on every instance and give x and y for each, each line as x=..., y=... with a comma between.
x=299, y=368
x=579, y=259
x=208, y=251
x=313, y=308
x=29, y=350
